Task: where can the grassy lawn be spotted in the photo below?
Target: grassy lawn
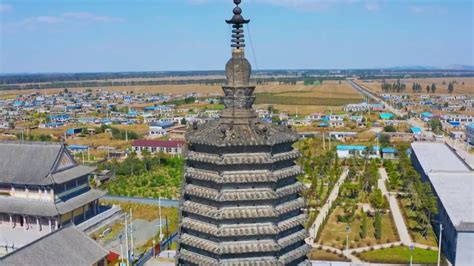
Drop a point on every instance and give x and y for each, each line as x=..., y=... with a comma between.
x=400, y=255
x=319, y=254
x=334, y=233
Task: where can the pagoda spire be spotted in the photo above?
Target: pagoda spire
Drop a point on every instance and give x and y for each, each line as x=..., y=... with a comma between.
x=237, y=22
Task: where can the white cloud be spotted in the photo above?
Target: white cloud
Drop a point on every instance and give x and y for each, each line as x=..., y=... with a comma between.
x=69, y=17
x=372, y=6
x=90, y=17
x=305, y=5
x=5, y=8
x=426, y=9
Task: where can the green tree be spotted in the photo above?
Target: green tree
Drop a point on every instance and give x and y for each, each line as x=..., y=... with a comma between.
x=433, y=88
x=389, y=128
x=450, y=87
x=363, y=226
x=436, y=125
x=377, y=199
x=384, y=140
x=378, y=225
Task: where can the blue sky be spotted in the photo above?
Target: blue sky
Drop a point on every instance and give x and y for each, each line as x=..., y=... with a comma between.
x=161, y=35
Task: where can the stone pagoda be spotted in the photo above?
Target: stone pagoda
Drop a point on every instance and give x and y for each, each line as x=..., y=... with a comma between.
x=240, y=202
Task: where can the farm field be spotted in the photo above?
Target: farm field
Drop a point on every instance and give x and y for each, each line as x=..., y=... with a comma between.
x=327, y=88
x=303, y=100
x=459, y=88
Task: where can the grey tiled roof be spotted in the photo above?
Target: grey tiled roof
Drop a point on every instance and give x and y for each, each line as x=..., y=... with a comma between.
x=212, y=134
x=47, y=209
x=80, y=200
x=28, y=163
x=72, y=173
x=33, y=163
x=27, y=207
x=66, y=246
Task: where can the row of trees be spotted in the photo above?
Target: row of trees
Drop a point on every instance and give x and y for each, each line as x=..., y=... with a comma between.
x=416, y=87
x=393, y=87
x=422, y=202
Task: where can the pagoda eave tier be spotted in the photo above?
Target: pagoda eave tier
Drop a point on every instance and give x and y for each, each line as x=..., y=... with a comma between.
x=200, y=259
x=249, y=176
x=256, y=134
x=244, y=229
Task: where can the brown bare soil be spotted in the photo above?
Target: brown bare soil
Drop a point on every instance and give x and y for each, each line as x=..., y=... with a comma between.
x=467, y=88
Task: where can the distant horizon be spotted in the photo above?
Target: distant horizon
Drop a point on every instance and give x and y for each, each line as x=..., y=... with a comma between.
x=181, y=35
x=464, y=68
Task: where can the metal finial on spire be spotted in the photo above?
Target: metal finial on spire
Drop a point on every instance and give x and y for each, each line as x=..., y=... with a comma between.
x=237, y=22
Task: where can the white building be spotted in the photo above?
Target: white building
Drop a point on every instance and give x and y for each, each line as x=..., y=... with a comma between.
x=157, y=132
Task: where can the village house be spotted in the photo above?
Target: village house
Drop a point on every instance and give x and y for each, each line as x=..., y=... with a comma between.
x=356, y=107
x=171, y=147
x=315, y=116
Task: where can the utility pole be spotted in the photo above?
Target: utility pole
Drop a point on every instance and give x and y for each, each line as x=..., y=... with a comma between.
x=126, y=239
x=121, y=249
x=330, y=148
x=131, y=233
x=348, y=229
x=440, y=239
x=324, y=141
x=167, y=231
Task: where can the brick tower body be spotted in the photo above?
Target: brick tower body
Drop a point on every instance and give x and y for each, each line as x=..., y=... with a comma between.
x=240, y=201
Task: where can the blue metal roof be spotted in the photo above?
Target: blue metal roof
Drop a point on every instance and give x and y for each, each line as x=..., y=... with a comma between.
x=389, y=150
x=427, y=114
x=323, y=125
x=78, y=147
x=454, y=123
x=351, y=148
x=386, y=115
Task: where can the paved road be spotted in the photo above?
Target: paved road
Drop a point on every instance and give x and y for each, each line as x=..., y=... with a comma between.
x=313, y=231
x=371, y=95
x=394, y=209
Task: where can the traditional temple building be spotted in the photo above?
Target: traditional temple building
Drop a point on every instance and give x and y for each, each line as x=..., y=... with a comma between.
x=41, y=189
x=241, y=202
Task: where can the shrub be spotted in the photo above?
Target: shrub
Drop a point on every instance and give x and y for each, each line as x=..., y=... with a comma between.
x=378, y=226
